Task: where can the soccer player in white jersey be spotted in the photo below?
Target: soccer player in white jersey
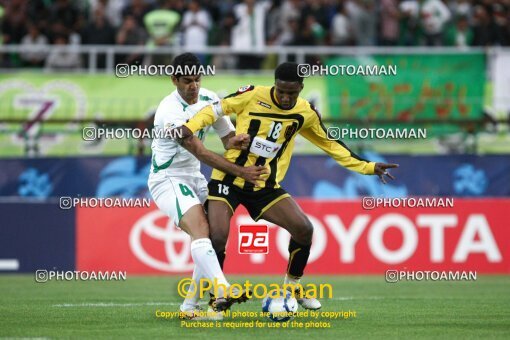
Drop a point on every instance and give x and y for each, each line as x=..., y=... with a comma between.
x=176, y=183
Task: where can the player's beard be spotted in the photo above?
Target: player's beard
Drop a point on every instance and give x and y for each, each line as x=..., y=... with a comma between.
x=191, y=97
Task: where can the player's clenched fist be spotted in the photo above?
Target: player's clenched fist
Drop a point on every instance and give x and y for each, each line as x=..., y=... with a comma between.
x=239, y=142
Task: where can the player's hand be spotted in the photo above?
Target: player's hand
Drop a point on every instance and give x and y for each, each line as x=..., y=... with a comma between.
x=253, y=173
x=239, y=142
x=381, y=170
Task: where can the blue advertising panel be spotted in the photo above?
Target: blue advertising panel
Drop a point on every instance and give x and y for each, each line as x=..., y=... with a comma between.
x=36, y=235
x=308, y=176
x=458, y=175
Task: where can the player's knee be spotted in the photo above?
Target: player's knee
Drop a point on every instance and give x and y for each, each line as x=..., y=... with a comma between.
x=198, y=231
x=304, y=233
x=202, y=231
x=195, y=225
x=219, y=241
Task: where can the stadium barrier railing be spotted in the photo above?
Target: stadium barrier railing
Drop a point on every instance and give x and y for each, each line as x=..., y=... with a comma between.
x=283, y=52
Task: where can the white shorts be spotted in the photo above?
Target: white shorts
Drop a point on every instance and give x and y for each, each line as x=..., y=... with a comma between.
x=175, y=195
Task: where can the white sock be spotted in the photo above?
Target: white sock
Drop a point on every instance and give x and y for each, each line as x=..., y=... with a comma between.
x=205, y=258
x=192, y=296
x=290, y=280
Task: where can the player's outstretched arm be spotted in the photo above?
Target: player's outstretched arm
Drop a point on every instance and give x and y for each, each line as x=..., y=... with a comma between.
x=348, y=159
x=317, y=134
x=251, y=174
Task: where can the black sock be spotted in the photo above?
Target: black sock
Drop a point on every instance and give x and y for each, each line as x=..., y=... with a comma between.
x=298, y=258
x=221, y=257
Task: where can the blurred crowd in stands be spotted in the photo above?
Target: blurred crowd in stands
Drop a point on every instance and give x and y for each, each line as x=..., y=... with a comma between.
x=243, y=25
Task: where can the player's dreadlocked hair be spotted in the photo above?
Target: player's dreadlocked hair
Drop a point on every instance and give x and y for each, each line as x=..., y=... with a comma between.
x=287, y=72
x=184, y=63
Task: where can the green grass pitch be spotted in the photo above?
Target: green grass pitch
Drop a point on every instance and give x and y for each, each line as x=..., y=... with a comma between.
x=126, y=309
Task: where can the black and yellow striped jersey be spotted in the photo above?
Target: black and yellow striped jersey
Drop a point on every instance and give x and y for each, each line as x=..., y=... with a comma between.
x=272, y=131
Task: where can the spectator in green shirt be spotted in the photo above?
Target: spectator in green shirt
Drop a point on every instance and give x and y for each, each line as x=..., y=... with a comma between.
x=160, y=25
x=460, y=35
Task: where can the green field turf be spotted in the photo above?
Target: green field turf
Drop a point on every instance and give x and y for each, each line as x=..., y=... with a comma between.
x=126, y=309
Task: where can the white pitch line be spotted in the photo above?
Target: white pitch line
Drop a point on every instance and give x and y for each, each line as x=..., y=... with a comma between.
x=104, y=304
x=9, y=264
x=359, y=298
x=373, y=298
x=341, y=298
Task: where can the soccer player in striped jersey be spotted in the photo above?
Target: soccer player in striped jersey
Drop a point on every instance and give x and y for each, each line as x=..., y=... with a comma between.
x=272, y=117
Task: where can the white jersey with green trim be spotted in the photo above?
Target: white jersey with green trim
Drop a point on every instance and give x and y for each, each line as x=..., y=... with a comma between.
x=172, y=112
